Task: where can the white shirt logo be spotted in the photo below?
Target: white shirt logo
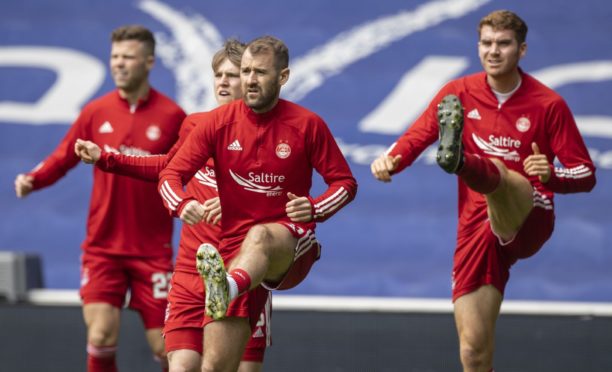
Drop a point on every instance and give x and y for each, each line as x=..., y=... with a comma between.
x=256, y=182
x=258, y=333
x=235, y=146
x=207, y=178
x=106, y=128
x=495, y=144
x=127, y=150
x=474, y=114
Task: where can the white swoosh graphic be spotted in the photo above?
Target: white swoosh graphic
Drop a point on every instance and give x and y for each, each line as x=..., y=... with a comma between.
x=78, y=77
x=206, y=180
x=187, y=53
x=310, y=71
x=580, y=72
x=195, y=39
x=251, y=186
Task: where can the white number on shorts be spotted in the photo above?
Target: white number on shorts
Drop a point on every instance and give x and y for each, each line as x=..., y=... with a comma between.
x=161, y=283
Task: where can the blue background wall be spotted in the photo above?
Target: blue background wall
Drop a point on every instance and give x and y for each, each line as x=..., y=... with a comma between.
x=395, y=239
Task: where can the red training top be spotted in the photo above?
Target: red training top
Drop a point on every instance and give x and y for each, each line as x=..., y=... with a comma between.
x=126, y=216
x=259, y=158
x=534, y=113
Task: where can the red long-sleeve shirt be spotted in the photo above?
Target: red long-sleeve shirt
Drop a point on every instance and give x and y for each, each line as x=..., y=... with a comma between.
x=126, y=216
x=259, y=158
x=202, y=186
x=534, y=113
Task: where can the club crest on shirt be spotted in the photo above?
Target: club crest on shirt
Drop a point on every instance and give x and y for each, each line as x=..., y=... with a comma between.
x=153, y=132
x=283, y=150
x=523, y=124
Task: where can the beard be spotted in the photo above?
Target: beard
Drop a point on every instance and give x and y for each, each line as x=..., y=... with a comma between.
x=132, y=81
x=264, y=99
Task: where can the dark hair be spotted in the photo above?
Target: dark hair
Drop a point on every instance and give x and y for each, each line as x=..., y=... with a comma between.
x=232, y=50
x=267, y=44
x=505, y=20
x=135, y=32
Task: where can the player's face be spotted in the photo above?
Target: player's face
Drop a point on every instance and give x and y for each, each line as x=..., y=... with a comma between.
x=261, y=82
x=130, y=64
x=227, y=82
x=499, y=51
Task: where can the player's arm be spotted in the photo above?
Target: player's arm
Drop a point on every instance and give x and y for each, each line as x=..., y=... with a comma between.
x=143, y=167
x=57, y=164
x=190, y=157
x=578, y=172
x=329, y=162
x=403, y=152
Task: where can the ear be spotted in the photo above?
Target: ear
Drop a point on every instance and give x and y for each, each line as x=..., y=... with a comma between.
x=283, y=77
x=150, y=61
x=522, y=50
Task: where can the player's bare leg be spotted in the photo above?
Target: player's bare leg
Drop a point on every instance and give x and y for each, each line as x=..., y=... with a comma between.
x=156, y=343
x=102, y=321
x=266, y=253
x=224, y=344
x=475, y=317
x=250, y=367
x=509, y=194
x=510, y=204
x=184, y=361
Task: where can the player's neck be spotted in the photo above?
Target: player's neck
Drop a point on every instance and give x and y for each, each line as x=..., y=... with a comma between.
x=505, y=83
x=135, y=95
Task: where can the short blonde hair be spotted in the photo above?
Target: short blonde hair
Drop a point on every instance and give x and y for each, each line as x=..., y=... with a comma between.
x=232, y=51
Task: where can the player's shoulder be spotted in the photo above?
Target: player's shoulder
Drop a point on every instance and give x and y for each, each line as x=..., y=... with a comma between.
x=215, y=118
x=472, y=82
x=289, y=107
x=541, y=92
x=104, y=104
x=107, y=99
x=467, y=85
x=219, y=114
x=298, y=115
x=165, y=103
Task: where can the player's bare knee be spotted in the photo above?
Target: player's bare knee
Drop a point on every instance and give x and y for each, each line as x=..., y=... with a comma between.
x=98, y=336
x=181, y=368
x=158, y=349
x=258, y=237
x=501, y=167
x=156, y=342
x=180, y=363
x=214, y=365
x=474, y=357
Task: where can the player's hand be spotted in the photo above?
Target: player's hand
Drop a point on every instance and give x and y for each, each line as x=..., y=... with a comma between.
x=192, y=213
x=537, y=164
x=23, y=185
x=212, y=210
x=298, y=208
x=383, y=166
x=88, y=151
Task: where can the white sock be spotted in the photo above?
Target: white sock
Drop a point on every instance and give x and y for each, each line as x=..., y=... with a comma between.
x=233, y=287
